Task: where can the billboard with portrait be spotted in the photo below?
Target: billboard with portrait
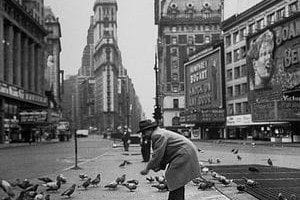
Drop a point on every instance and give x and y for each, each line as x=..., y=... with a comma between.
x=273, y=60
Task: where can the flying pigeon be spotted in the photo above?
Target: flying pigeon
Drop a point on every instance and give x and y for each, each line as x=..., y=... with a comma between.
x=241, y=188
x=96, y=181
x=239, y=158
x=122, y=164
x=160, y=179
x=253, y=169
x=200, y=150
x=112, y=185
x=83, y=176
x=121, y=179
x=236, y=151
x=130, y=186
x=250, y=182
x=6, y=187
x=61, y=178
x=127, y=162
x=206, y=185
x=161, y=186
x=86, y=183
x=69, y=191
x=136, y=182
x=150, y=179
x=232, y=150
x=45, y=179
x=270, y=163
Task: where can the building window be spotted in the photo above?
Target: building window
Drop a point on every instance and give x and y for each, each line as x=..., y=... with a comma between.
x=243, y=52
x=175, y=103
x=293, y=7
x=242, y=34
x=168, y=39
x=175, y=88
x=228, y=40
x=182, y=39
x=228, y=58
x=238, y=108
x=246, y=107
x=174, y=29
x=280, y=13
x=174, y=40
x=207, y=39
x=230, y=91
x=237, y=72
x=199, y=39
x=235, y=37
x=237, y=90
x=244, y=88
x=230, y=109
x=243, y=70
x=191, y=50
x=229, y=74
x=251, y=29
x=236, y=55
x=176, y=121
x=260, y=24
x=271, y=18
x=168, y=87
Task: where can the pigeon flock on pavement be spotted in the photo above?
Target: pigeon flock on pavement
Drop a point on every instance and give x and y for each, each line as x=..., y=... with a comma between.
x=42, y=191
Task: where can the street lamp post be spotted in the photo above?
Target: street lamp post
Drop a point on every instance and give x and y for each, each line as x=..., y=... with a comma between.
x=157, y=109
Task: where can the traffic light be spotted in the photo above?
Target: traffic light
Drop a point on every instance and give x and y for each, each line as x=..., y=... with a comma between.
x=157, y=115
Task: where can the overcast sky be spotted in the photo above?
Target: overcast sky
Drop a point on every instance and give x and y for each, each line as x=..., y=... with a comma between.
x=136, y=38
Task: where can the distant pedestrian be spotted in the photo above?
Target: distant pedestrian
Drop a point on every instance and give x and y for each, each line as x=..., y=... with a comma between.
x=125, y=139
x=174, y=150
x=145, y=146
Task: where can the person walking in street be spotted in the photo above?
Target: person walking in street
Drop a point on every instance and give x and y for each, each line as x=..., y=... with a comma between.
x=174, y=150
x=125, y=138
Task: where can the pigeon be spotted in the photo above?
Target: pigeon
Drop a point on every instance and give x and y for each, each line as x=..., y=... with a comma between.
x=150, y=179
x=232, y=150
x=253, y=169
x=83, y=176
x=121, y=180
x=239, y=158
x=45, y=179
x=206, y=185
x=205, y=170
x=32, y=188
x=241, y=188
x=127, y=162
x=161, y=186
x=61, y=178
x=250, y=182
x=226, y=181
x=54, y=187
x=86, y=183
x=270, y=163
x=220, y=178
x=200, y=150
x=39, y=196
x=96, y=181
x=218, y=160
x=31, y=194
x=122, y=164
x=6, y=187
x=236, y=151
x=130, y=186
x=197, y=180
x=69, y=191
x=160, y=179
x=112, y=185
x=136, y=182
x=281, y=197
x=24, y=184
x=214, y=174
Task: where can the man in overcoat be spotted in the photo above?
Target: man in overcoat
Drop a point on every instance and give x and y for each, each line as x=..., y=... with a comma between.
x=174, y=150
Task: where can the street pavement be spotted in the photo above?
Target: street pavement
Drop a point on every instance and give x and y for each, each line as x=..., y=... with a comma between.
x=107, y=163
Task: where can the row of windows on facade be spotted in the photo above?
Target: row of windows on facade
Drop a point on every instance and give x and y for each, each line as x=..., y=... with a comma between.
x=238, y=54
x=271, y=18
x=175, y=88
x=240, y=108
x=239, y=89
x=184, y=28
x=191, y=14
x=191, y=39
x=238, y=72
x=107, y=12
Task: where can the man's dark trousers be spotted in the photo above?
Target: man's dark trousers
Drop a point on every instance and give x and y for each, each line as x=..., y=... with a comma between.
x=146, y=149
x=177, y=194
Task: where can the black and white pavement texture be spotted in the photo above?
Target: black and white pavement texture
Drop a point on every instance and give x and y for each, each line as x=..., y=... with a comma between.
x=97, y=155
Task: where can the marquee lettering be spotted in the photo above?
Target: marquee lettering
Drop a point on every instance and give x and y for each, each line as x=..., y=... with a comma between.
x=287, y=32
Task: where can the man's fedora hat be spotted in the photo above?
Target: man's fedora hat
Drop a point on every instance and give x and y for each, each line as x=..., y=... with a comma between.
x=146, y=124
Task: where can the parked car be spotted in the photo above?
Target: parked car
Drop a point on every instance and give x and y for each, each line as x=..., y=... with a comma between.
x=82, y=133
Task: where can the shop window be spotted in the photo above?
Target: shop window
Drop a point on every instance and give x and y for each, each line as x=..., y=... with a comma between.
x=228, y=58
x=238, y=108
x=228, y=40
x=175, y=103
x=230, y=109
x=229, y=74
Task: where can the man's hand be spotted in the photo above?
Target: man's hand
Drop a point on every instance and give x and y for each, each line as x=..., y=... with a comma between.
x=144, y=172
